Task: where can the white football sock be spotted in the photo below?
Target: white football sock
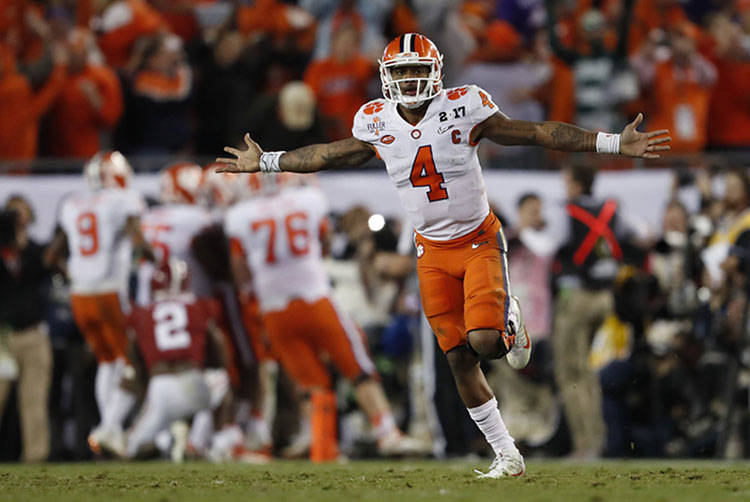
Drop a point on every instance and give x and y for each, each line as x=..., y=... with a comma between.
x=384, y=425
x=103, y=386
x=489, y=421
x=163, y=442
x=120, y=404
x=259, y=433
x=119, y=401
x=202, y=430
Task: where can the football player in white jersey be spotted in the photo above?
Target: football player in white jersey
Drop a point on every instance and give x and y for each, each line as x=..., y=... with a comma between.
x=171, y=227
x=427, y=137
x=101, y=229
x=277, y=244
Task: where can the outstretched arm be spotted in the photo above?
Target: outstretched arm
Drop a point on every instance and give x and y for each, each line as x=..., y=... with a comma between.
x=308, y=159
x=568, y=137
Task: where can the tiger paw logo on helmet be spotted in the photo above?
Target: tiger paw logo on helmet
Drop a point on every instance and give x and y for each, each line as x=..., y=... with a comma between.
x=411, y=49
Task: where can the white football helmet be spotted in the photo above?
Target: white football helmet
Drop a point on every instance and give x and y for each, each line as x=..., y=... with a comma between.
x=181, y=182
x=108, y=169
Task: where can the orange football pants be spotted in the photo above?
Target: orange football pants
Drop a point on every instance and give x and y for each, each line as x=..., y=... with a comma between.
x=251, y=318
x=304, y=333
x=463, y=283
x=102, y=323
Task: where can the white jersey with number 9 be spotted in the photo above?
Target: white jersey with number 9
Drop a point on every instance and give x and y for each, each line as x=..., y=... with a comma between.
x=99, y=254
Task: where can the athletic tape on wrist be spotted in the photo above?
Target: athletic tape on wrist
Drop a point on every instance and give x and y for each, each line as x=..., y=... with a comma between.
x=607, y=143
x=269, y=162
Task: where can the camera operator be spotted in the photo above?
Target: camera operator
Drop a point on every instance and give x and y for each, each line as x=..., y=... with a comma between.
x=23, y=335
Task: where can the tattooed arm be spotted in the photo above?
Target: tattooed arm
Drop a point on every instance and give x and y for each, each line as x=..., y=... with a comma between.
x=567, y=137
x=344, y=153
x=308, y=159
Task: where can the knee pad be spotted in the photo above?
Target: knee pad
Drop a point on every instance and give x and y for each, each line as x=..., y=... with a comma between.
x=486, y=344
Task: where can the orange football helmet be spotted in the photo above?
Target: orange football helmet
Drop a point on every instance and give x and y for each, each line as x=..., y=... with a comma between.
x=408, y=50
x=218, y=189
x=108, y=169
x=181, y=182
x=258, y=184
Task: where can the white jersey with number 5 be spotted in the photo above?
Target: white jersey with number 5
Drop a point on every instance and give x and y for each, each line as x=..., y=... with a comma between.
x=433, y=164
x=170, y=229
x=99, y=252
x=280, y=237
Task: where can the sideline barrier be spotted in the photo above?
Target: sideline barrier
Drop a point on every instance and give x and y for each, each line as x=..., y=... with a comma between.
x=642, y=193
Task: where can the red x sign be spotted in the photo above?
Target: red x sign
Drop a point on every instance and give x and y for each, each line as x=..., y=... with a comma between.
x=598, y=227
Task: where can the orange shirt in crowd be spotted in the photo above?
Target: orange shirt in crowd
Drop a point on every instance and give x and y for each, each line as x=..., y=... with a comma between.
x=678, y=100
x=277, y=20
x=164, y=87
x=559, y=93
x=85, y=10
x=403, y=19
x=123, y=23
x=340, y=88
x=180, y=17
x=76, y=123
x=22, y=108
x=15, y=31
x=649, y=15
x=729, y=119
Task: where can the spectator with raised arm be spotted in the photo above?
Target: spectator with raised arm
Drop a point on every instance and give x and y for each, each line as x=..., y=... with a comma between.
x=340, y=81
x=602, y=80
x=676, y=81
x=22, y=107
x=89, y=105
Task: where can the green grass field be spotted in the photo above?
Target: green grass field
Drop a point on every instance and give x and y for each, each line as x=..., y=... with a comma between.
x=384, y=480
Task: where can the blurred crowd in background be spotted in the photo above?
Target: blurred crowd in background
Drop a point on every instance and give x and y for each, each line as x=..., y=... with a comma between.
x=191, y=76
x=669, y=351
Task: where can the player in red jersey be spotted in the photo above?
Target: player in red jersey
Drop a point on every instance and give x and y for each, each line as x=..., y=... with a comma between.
x=175, y=339
x=427, y=137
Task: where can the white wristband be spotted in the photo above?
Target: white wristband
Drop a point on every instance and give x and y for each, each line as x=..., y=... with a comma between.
x=607, y=143
x=269, y=162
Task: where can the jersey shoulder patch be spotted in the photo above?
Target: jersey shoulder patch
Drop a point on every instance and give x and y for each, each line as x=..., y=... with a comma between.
x=478, y=102
x=365, y=127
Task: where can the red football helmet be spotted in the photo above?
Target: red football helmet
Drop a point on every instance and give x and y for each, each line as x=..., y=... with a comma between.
x=169, y=280
x=409, y=50
x=181, y=183
x=109, y=169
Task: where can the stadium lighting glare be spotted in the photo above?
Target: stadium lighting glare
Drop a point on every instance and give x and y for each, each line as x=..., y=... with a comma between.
x=376, y=222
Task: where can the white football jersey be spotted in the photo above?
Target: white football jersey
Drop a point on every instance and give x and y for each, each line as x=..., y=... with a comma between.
x=100, y=254
x=280, y=237
x=170, y=229
x=433, y=164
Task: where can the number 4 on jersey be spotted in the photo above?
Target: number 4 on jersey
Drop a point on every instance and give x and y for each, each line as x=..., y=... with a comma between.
x=424, y=174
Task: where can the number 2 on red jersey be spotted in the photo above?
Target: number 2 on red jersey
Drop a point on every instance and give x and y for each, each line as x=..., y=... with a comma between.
x=425, y=174
x=170, y=326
